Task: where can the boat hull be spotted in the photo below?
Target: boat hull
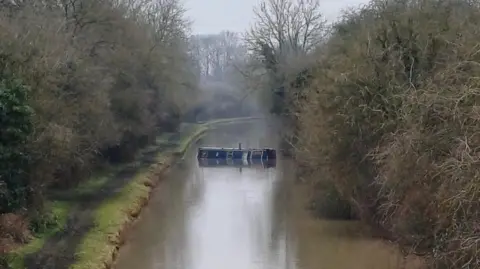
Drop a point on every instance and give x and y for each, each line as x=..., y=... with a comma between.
x=237, y=163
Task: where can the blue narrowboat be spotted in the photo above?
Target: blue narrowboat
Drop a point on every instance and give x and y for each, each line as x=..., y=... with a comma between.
x=236, y=153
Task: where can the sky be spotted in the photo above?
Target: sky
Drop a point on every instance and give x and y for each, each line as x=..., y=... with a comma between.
x=214, y=16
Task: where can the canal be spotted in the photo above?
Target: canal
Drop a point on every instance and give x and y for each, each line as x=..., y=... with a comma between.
x=244, y=218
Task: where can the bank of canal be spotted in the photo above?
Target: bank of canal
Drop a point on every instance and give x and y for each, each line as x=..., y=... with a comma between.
x=245, y=218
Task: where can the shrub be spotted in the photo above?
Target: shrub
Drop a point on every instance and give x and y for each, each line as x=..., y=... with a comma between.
x=16, y=126
x=391, y=116
x=329, y=203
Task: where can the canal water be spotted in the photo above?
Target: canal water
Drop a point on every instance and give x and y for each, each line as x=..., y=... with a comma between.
x=244, y=218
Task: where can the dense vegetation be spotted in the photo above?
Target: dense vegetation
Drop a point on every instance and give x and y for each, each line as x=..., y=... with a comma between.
x=387, y=123
x=82, y=82
x=382, y=105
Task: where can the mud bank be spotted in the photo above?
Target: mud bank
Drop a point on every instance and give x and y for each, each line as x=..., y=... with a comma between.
x=93, y=219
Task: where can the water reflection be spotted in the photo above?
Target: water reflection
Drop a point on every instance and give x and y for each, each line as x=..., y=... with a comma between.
x=237, y=163
x=232, y=226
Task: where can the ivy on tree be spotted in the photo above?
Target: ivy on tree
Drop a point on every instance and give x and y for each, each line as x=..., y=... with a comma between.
x=15, y=128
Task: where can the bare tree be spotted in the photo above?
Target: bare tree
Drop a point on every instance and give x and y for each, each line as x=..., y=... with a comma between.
x=285, y=27
x=284, y=32
x=168, y=19
x=217, y=53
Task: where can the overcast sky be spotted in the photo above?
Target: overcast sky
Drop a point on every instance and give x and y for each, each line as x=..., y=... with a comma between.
x=213, y=16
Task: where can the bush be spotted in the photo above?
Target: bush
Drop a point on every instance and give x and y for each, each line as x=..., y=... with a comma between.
x=329, y=203
x=392, y=117
x=16, y=126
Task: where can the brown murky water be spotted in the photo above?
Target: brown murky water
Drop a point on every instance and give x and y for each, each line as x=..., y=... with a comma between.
x=248, y=218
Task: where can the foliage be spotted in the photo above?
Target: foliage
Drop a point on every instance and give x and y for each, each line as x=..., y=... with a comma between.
x=105, y=78
x=15, y=122
x=391, y=118
x=329, y=203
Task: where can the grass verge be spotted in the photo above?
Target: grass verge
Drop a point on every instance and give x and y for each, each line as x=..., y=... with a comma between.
x=99, y=246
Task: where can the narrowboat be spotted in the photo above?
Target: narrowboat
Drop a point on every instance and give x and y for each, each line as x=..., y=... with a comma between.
x=236, y=153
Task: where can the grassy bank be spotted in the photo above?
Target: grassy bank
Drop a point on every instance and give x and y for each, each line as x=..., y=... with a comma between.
x=391, y=120
x=91, y=220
